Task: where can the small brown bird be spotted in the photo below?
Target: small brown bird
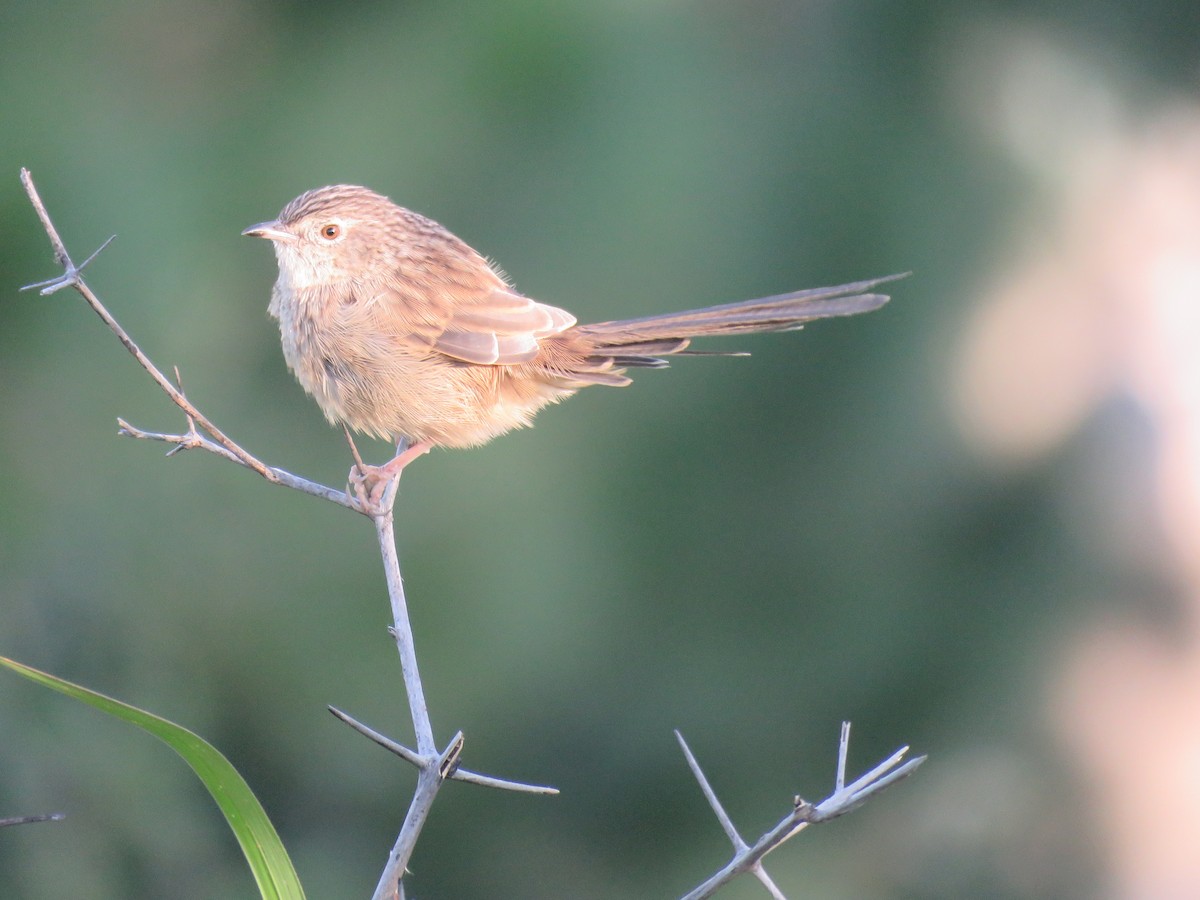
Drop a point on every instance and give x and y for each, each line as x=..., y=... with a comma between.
x=399, y=329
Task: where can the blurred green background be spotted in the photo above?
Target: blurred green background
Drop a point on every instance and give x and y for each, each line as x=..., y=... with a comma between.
x=750, y=550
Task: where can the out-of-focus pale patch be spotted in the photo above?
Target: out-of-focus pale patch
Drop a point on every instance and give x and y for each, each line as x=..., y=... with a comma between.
x=1100, y=294
x=1126, y=704
x=1102, y=291
x=1036, y=354
x=1047, y=103
x=1108, y=300
x=1031, y=366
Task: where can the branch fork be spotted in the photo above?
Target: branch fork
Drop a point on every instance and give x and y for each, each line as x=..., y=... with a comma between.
x=845, y=798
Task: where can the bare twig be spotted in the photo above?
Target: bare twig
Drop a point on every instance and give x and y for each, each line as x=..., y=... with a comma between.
x=430, y=780
x=429, y=783
x=73, y=277
x=193, y=440
x=402, y=628
x=28, y=820
x=430, y=777
x=844, y=799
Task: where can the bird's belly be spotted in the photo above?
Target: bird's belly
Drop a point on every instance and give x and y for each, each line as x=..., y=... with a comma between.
x=446, y=404
x=384, y=389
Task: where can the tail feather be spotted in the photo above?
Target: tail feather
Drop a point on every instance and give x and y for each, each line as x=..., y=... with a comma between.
x=782, y=312
x=600, y=353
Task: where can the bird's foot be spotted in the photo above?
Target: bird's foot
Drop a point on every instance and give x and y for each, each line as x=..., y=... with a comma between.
x=369, y=482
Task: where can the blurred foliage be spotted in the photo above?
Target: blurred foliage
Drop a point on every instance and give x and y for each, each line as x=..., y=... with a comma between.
x=749, y=550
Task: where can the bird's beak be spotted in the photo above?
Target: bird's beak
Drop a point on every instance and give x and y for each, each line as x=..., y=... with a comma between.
x=272, y=231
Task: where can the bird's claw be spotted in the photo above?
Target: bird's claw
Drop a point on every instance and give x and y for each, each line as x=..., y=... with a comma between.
x=368, y=484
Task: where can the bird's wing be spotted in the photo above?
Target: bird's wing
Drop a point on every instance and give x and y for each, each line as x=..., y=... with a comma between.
x=499, y=327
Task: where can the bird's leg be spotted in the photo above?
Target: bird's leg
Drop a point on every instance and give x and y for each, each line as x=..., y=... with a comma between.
x=353, y=448
x=405, y=453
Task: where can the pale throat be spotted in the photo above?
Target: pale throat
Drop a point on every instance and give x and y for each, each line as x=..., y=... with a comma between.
x=301, y=272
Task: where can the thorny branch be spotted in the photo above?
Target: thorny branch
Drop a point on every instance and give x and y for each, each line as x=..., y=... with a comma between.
x=434, y=766
x=217, y=442
x=845, y=798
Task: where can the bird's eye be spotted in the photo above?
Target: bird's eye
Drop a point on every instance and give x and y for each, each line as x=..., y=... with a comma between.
x=331, y=232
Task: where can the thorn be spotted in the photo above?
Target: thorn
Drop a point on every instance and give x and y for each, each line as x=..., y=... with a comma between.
x=45, y=288
x=28, y=820
x=83, y=265
x=843, y=750
x=448, y=763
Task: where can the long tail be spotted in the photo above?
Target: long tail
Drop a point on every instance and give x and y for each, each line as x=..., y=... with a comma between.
x=644, y=341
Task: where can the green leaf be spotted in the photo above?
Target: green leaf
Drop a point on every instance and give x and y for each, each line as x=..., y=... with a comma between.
x=264, y=851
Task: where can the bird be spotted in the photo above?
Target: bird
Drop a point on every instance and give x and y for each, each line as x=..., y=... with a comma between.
x=400, y=330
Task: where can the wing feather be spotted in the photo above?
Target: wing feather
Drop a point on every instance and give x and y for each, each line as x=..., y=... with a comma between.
x=499, y=328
